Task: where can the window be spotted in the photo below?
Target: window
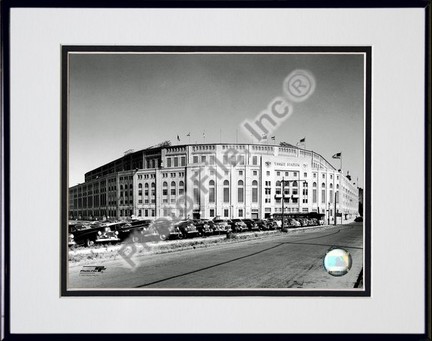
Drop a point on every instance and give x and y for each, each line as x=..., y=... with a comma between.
x=226, y=191
x=331, y=196
x=196, y=194
x=255, y=173
x=323, y=185
x=286, y=173
x=173, y=188
x=165, y=189
x=169, y=162
x=195, y=159
x=181, y=188
x=268, y=173
x=240, y=191
x=254, y=160
x=278, y=173
x=211, y=191
x=314, y=196
x=183, y=161
x=203, y=159
x=241, y=160
x=176, y=162
x=212, y=213
x=314, y=175
x=254, y=191
x=226, y=213
x=305, y=175
x=295, y=184
x=323, y=176
x=212, y=159
x=240, y=213
x=323, y=199
x=139, y=185
x=240, y=173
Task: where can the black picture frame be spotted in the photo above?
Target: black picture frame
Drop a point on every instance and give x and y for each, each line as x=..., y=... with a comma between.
x=6, y=7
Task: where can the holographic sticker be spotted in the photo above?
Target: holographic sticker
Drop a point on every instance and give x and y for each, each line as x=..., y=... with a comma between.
x=337, y=262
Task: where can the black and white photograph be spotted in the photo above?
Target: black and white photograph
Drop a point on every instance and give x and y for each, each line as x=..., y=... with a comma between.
x=220, y=168
x=216, y=170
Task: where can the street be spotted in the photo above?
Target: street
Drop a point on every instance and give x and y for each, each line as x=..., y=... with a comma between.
x=285, y=260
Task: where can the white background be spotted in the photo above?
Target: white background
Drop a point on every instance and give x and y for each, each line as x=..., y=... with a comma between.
x=397, y=38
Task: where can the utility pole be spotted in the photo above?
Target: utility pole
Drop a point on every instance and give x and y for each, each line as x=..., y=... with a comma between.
x=283, y=203
x=335, y=214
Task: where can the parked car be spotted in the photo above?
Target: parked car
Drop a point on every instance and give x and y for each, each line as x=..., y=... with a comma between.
x=221, y=226
x=187, y=228
x=358, y=219
x=165, y=228
x=132, y=229
x=211, y=225
x=203, y=227
x=251, y=225
x=262, y=224
x=85, y=234
x=273, y=224
x=107, y=235
x=237, y=225
x=293, y=223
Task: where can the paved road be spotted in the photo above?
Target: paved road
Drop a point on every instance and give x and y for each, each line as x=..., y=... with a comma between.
x=293, y=260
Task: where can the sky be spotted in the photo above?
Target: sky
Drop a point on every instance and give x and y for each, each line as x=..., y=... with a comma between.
x=123, y=101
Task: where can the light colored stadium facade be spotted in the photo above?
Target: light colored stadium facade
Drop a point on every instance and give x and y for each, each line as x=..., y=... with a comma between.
x=214, y=180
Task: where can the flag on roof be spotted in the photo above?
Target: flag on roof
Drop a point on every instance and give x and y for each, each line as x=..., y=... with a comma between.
x=337, y=156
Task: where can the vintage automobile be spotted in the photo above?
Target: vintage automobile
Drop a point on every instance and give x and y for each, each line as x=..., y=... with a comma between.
x=251, y=225
x=237, y=225
x=165, y=228
x=276, y=223
x=187, y=228
x=292, y=223
x=107, y=235
x=84, y=234
x=211, y=225
x=203, y=226
x=358, y=219
x=262, y=224
x=222, y=226
x=131, y=229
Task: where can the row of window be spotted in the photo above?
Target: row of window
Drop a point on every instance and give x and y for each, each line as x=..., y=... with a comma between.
x=176, y=161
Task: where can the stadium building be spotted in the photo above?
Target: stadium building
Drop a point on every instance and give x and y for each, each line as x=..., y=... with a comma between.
x=214, y=180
